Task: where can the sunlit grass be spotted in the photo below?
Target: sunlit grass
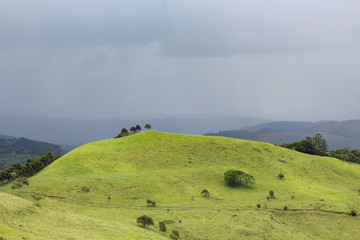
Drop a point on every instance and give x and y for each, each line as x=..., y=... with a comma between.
x=173, y=169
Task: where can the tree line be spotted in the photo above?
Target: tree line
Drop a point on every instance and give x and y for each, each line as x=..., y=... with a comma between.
x=30, y=168
x=318, y=146
x=314, y=146
x=132, y=130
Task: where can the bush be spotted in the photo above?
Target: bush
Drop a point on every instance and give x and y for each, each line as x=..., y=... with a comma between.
x=353, y=212
x=162, y=226
x=174, y=235
x=285, y=208
x=85, y=189
x=153, y=203
x=16, y=185
x=258, y=206
x=205, y=193
x=281, y=176
x=272, y=194
x=235, y=177
x=23, y=180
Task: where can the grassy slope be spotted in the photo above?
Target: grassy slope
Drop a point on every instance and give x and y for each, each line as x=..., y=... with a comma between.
x=173, y=168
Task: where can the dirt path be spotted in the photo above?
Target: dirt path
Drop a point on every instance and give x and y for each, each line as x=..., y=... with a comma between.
x=63, y=199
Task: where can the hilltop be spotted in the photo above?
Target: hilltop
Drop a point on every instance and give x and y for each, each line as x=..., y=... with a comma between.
x=77, y=131
x=173, y=169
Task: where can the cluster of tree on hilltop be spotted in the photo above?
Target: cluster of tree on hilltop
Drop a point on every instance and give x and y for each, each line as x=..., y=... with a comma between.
x=318, y=146
x=315, y=146
x=31, y=167
x=132, y=130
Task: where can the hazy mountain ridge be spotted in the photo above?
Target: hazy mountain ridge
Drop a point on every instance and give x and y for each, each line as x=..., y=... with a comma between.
x=78, y=132
x=18, y=150
x=3, y=136
x=344, y=134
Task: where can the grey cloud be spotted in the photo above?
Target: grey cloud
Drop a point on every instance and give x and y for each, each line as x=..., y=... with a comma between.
x=95, y=59
x=187, y=28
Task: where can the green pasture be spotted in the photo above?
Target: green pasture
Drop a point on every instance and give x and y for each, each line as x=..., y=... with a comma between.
x=173, y=169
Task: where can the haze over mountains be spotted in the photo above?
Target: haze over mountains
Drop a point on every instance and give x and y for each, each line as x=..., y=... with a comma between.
x=344, y=134
x=67, y=133
x=78, y=132
x=18, y=150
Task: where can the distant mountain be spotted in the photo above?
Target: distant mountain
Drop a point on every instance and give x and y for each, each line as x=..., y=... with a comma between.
x=18, y=150
x=345, y=134
x=3, y=136
x=78, y=132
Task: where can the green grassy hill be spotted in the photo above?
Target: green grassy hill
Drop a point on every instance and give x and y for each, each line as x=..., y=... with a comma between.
x=173, y=169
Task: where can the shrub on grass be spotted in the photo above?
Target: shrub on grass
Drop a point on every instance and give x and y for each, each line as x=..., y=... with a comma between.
x=353, y=212
x=153, y=203
x=272, y=194
x=85, y=189
x=235, y=177
x=23, y=180
x=16, y=185
x=258, y=206
x=281, y=176
x=162, y=226
x=205, y=193
x=174, y=235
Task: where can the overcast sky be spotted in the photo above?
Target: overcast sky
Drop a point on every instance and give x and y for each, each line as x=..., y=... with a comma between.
x=278, y=59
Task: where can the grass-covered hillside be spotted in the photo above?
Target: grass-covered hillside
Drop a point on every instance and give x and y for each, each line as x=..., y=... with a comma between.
x=173, y=169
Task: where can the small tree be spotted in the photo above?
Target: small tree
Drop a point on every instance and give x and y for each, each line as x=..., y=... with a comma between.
x=137, y=128
x=233, y=177
x=145, y=221
x=272, y=194
x=147, y=126
x=205, y=193
x=353, y=212
x=247, y=178
x=153, y=203
x=124, y=132
x=23, y=181
x=85, y=190
x=174, y=235
x=16, y=185
x=162, y=226
x=132, y=130
x=281, y=176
